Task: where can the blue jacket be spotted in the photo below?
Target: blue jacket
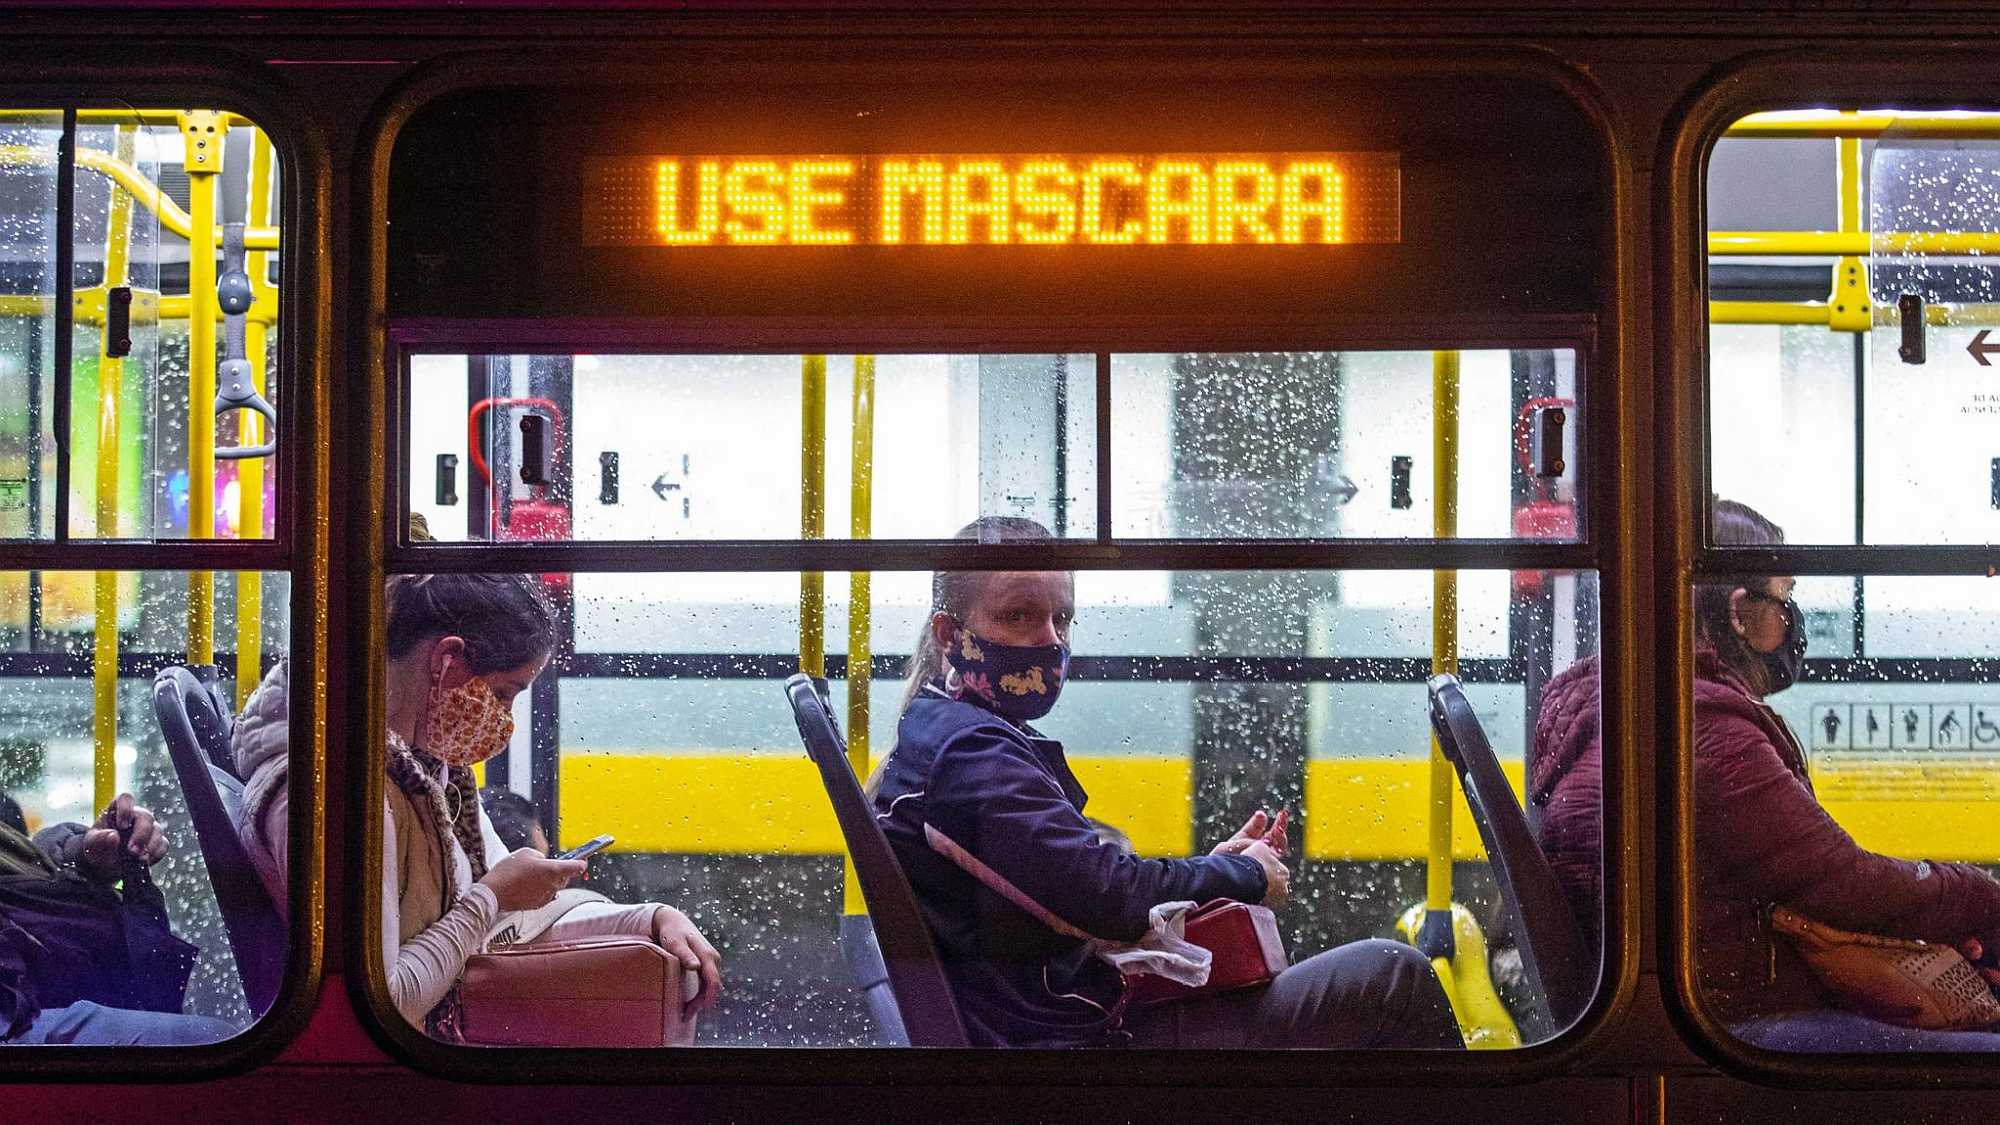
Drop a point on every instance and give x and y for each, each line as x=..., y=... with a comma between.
x=987, y=819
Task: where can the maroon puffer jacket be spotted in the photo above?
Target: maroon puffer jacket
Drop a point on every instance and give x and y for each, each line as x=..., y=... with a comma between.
x=1761, y=837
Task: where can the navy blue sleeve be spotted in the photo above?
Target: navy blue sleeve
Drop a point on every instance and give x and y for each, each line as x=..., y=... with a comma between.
x=995, y=811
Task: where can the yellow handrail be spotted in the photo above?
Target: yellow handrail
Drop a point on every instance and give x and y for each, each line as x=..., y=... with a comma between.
x=1982, y=314
x=145, y=191
x=203, y=133
x=1824, y=124
x=812, y=512
x=1444, y=614
x=1824, y=243
x=1850, y=298
x=860, y=595
x=110, y=381
x=167, y=117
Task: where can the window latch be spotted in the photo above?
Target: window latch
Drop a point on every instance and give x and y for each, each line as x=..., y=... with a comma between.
x=607, y=476
x=1399, y=482
x=1550, y=422
x=535, y=467
x=447, y=479
x=118, y=322
x=1910, y=311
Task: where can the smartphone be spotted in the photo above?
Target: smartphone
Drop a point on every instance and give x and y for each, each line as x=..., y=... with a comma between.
x=588, y=848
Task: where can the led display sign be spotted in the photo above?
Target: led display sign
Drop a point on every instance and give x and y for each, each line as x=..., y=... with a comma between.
x=1201, y=199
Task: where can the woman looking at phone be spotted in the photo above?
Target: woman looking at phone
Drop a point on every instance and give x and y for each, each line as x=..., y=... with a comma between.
x=461, y=647
x=1021, y=892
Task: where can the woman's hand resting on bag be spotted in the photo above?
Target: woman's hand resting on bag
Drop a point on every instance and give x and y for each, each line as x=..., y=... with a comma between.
x=674, y=933
x=527, y=879
x=1982, y=957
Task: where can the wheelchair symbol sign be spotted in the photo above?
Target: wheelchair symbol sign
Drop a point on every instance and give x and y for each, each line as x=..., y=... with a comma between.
x=1985, y=727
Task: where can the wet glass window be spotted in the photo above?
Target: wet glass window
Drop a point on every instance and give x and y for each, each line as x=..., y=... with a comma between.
x=1846, y=730
x=1850, y=366
x=679, y=447
x=1840, y=799
x=144, y=715
x=28, y=138
x=1277, y=445
x=143, y=817
x=1344, y=444
x=1192, y=699
x=165, y=440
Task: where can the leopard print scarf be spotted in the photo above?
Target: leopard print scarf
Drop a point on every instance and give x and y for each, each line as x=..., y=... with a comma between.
x=454, y=814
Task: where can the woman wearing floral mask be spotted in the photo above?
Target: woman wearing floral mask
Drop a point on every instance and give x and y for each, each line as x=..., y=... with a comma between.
x=461, y=647
x=1022, y=893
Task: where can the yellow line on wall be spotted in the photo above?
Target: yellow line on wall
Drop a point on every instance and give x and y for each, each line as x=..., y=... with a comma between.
x=1365, y=809
x=750, y=804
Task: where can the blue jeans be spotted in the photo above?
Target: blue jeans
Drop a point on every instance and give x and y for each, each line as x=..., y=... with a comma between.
x=86, y=1024
x=1831, y=1030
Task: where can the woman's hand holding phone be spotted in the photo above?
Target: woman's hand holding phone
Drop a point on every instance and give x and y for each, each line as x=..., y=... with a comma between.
x=1260, y=828
x=529, y=880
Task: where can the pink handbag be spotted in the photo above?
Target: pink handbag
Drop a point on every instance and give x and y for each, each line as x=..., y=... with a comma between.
x=603, y=992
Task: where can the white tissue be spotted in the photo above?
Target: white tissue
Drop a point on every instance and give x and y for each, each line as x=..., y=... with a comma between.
x=1164, y=951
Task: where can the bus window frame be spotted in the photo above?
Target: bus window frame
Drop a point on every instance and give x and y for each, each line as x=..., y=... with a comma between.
x=297, y=547
x=410, y=339
x=379, y=461
x=1945, y=78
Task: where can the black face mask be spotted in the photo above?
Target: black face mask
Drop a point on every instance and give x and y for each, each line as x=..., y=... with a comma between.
x=1784, y=663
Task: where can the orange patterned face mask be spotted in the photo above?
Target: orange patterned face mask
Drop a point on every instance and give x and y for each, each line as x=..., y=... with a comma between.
x=467, y=724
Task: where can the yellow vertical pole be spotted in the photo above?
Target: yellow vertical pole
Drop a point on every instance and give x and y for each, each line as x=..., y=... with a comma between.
x=110, y=380
x=1444, y=613
x=202, y=133
x=1848, y=183
x=812, y=512
x=250, y=471
x=860, y=595
x=1849, y=306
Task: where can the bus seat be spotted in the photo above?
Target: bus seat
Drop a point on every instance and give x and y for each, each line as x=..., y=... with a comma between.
x=1561, y=973
x=914, y=976
x=863, y=955
x=195, y=724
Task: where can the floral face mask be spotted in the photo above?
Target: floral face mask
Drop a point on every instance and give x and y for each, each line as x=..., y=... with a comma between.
x=467, y=724
x=1017, y=682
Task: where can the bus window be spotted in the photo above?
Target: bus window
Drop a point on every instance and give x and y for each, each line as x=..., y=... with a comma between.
x=1852, y=798
x=1840, y=735
x=100, y=708
x=27, y=448
x=1340, y=444
x=146, y=775
x=1934, y=212
x=1192, y=699
x=1848, y=316
x=146, y=459
x=677, y=447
